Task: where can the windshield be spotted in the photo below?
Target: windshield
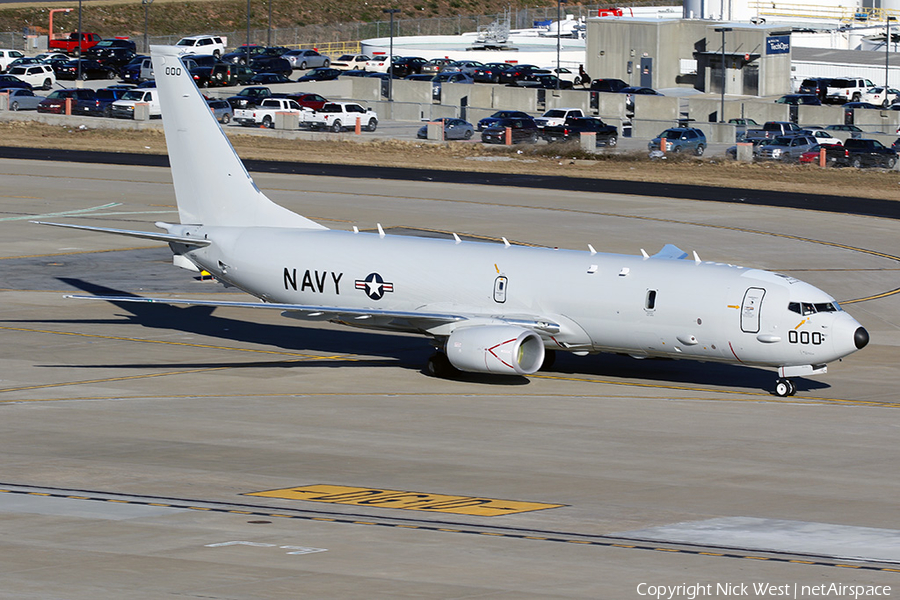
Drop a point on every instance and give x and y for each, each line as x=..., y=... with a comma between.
x=186, y=42
x=555, y=113
x=811, y=308
x=671, y=134
x=133, y=95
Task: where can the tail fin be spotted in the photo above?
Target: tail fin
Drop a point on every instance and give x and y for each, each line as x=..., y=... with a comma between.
x=212, y=187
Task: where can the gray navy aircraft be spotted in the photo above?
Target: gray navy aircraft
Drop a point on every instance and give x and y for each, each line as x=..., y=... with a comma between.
x=511, y=307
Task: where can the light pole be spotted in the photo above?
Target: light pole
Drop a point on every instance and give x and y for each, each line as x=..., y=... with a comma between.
x=80, y=45
x=392, y=12
x=146, y=4
x=559, y=4
x=724, y=30
x=887, y=54
x=247, y=47
x=269, y=31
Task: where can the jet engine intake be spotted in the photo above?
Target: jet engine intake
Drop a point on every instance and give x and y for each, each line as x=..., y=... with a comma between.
x=495, y=349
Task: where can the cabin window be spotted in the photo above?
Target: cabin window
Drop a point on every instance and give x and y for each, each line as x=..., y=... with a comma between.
x=650, y=303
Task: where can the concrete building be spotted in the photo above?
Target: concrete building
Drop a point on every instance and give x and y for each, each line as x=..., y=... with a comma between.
x=689, y=53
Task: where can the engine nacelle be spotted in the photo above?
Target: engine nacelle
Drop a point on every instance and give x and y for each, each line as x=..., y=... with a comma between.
x=495, y=349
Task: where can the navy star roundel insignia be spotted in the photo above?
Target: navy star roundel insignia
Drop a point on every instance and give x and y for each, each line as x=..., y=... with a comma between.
x=374, y=286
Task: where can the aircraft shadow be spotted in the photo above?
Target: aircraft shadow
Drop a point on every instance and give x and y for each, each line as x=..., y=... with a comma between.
x=403, y=351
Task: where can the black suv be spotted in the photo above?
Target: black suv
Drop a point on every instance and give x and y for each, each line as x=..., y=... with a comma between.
x=815, y=85
x=867, y=153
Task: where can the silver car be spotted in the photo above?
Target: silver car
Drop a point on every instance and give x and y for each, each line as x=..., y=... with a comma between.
x=306, y=59
x=787, y=147
x=22, y=99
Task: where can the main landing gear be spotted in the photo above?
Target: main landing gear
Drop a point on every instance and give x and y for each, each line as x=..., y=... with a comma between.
x=785, y=387
x=439, y=366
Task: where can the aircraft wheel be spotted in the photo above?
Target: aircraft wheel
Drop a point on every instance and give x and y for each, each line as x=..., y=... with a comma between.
x=783, y=388
x=439, y=365
x=549, y=360
x=793, y=388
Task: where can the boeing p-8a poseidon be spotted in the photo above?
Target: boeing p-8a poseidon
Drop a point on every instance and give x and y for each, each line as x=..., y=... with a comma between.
x=488, y=308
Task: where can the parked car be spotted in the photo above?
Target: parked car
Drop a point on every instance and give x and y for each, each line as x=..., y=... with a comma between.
x=351, y=62
x=490, y=73
x=106, y=97
x=75, y=43
x=131, y=72
x=113, y=52
x=573, y=127
x=500, y=115
x=517, y=72
x=877, y=95
x=860, y=152
x=632, y=91
x=565, y=74
x=833, y=153
x=313, y=101
x=442, y=78
x=8, y=55
x=787, y=147
x=853, y=130
x=680, y=139
x=557, y=116
x=202, y=44
x=378, y=63
x=413, y=77
x=798, y=99
x=321, y=74
x=239, y=56
x=272, y=64
x=22, y=99
x=848, y=106
x=543, y=82
x=306, y=59
x=435, y=65
x=268, y=79
x=337, y=116
x=462, y=66
x=124, y=107
x=11, y=81
x=847, y=89
x=818, y=86
x=39, y=76
x=88, y=69
x=220, y=109
x=407, y=65
x=84, y=102
x=607, y=85
x=822, y=136
x=523, y=130
x=454, y=129
x=249, y=97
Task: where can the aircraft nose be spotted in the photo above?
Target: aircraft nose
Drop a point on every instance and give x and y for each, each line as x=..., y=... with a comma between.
x=861, y=338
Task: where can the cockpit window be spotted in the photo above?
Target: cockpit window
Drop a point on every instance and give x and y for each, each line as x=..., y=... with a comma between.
x=810, y=308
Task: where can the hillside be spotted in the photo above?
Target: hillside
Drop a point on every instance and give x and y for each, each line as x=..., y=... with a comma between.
x=327, y=21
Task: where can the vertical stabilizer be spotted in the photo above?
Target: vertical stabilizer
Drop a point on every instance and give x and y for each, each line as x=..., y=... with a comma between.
x=212, y=187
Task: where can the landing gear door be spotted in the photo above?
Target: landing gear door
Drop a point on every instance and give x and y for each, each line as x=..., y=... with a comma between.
x=750, y=308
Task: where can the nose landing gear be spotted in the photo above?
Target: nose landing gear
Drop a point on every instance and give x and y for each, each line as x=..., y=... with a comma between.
x=785, y=387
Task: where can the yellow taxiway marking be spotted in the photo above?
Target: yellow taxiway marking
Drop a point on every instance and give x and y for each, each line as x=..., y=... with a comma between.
x=372, y=497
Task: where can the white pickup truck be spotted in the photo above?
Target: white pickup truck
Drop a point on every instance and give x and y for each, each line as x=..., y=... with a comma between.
x=557, y=116
x=264, y=114
x=337, y=116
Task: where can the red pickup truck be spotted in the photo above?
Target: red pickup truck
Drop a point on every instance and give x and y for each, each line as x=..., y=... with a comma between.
x=70, y=44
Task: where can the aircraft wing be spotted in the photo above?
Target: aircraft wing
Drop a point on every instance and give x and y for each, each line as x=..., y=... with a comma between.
x=356, y=316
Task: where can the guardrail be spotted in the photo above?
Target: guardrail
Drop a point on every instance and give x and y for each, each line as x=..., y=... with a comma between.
x=834, y=13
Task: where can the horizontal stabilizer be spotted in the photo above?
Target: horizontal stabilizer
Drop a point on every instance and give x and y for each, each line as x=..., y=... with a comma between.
x=670, y=251
x=147, y=235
